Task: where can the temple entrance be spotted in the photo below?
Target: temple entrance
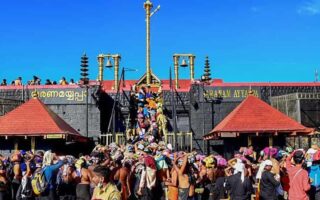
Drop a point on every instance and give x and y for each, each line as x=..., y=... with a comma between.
x=259, y=142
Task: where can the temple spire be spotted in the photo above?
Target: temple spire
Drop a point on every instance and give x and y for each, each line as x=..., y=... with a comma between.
x=207, y=70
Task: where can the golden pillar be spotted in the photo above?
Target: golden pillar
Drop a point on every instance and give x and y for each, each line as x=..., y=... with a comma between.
x=116, y=59
x=176, y=71
x=191, y=60
x=100, y=61
x=270, y=140
x=33, y=144
x=147, y=7
x=16, y=145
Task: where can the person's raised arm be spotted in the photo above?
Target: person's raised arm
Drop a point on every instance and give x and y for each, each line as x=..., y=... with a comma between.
x=184, y=164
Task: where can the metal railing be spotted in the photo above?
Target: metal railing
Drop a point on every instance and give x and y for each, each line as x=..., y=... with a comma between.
x=184, y=140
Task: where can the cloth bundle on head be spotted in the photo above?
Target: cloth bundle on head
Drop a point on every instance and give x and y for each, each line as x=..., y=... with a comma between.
x=247, y=152
x=210, y=161
x=280, y=154
x=221, y=162
x=272, y=152
x=80, y=163
x=140, y=146
x=150, y=139
x=200, y=157
x=161, y=162
x=289, y=149
x=191, y=158
x=117, y=156
x=239, y=168
x=70, y=159
x=130, y=148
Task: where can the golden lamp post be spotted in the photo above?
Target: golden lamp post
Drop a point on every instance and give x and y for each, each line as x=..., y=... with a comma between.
x=184, y=63
x=116, y=59
x=148, y=6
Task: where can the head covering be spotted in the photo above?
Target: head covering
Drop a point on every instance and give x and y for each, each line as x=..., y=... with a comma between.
x=140, y=147
x=268, y=163
x=261, y=168
x=47, y=158
x=268, y=151
x=248, y=152
x=239, y=167
x=221, y=162
x=210, y=161
x=289, y=149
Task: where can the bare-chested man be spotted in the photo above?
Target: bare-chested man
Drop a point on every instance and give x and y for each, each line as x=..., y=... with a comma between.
x=83, y=187
x=123, y=175
x=17, y=174
x=3, y=182
x=172, y=184
x=183, y=177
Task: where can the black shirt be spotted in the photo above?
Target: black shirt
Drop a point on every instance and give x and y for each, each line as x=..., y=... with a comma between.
x=239, y=190
x=268, y=185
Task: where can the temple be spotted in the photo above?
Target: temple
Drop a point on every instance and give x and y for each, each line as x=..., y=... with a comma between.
x=99, y=110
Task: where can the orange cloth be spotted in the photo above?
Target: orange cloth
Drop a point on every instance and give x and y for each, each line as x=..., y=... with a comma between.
x=152, y=104
x=173, y=193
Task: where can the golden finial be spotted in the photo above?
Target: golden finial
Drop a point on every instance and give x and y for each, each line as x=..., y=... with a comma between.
x=250, y=93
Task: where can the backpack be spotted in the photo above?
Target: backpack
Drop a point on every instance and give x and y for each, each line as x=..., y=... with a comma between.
x=39, y=182
x=25, y=189
x=314, y=174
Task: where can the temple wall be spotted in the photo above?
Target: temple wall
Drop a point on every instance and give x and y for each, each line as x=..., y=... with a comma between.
x=198, y=111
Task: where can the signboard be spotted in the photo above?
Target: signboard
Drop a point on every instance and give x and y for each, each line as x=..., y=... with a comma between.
x=63, y=96
x=228, y=135
x=55, y=136
x=230, y=93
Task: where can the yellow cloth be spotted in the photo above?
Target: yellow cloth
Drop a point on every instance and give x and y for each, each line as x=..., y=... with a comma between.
x=152, y=104
x=109, y=192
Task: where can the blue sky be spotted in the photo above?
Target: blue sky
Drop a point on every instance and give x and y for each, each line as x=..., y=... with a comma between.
x=246, y=40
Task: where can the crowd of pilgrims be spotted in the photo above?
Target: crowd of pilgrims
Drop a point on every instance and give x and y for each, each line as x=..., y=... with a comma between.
x=149, y=170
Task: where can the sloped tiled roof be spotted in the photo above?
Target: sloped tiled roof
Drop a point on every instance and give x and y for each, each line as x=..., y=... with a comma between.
x=253, y=115
x=33, y=118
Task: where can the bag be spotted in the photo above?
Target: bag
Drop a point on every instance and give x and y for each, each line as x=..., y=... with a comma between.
x=314, y=174
x=25, y=189
x=39, y=182
x=279, y=190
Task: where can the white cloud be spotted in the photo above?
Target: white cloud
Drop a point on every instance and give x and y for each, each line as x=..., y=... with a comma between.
x=311, y=7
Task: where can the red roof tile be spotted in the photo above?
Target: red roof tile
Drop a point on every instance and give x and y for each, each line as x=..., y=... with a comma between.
x=253, y=115
x=33, y=118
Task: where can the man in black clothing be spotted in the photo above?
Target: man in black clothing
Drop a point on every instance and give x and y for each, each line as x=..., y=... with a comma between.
x=240, y=187
x=268, y=183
